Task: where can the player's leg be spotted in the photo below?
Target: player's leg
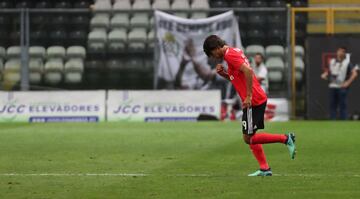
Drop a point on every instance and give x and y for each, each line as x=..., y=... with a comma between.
x=258, y=122
x=266, y=138
x=256, y=149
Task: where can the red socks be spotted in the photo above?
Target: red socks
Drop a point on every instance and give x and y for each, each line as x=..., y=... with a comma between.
x=265, y=138
x=259, y=154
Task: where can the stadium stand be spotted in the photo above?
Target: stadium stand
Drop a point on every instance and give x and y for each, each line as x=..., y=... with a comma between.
x=117, y=37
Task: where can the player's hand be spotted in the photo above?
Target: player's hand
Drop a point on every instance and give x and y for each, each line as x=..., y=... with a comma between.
x=219, y=68
x=247, y=102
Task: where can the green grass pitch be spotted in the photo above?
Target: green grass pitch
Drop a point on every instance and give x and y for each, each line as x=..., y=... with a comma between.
x=175, y=160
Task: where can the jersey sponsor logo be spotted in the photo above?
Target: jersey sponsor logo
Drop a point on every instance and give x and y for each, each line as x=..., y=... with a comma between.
x=237, y=49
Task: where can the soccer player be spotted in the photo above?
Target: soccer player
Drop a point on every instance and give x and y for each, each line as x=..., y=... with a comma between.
x=253, y=99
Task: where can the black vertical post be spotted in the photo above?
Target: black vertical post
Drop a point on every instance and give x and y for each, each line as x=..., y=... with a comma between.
x=24, y=43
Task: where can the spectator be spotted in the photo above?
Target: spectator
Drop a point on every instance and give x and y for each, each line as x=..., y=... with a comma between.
x=260, y=71
x=340, y=74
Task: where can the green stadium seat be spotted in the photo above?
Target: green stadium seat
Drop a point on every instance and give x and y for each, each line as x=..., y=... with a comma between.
x=121, y=5
x=199, y=4
x=73, y=71
x=180, y=5
x=275, y=77
x=117, y=41
x=199, y=15
x=53, y=70
x=137, y=39
x=251, y=50
x=36, y=67
x=56, y=52
x=12, y=69
x=13, y=65
x=276, y=69
x=76, y=52
x=13, y=52
x=120, y=20
x=97, y=41
x=275, y=51
x=141, y=4
x=161, y=4
x=299, y=51
x=139, y=20
x=275, y=63
x=73, y=78
x=299, y=69
x=102, y=7
x=54, y=65
x=100, y=22
x=37, y=52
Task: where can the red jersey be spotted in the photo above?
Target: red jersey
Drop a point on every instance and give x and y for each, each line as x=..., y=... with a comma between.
x=235, y=58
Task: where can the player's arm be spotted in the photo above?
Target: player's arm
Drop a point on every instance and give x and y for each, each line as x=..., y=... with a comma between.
x=221, y=71
x=354, y=74
x=248, y=72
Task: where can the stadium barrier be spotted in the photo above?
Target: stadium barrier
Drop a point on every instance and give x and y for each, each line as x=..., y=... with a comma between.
x=52, y=106
x=115, y=105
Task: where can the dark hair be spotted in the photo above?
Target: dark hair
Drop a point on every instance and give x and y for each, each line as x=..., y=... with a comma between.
x=342, y=47
x=261, y=55
x=211, y=43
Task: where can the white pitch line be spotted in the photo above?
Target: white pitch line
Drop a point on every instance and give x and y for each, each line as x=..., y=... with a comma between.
x=76, y=174
x=314, y=175
x=168, y=175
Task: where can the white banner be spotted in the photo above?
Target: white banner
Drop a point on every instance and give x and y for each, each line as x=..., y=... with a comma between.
x=277, y=109
x=182, y=39
x=52, y=106
x=161, y=105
